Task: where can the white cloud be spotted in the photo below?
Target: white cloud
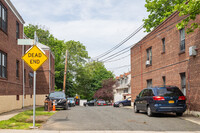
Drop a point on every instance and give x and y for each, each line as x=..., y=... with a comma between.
x=98, y=24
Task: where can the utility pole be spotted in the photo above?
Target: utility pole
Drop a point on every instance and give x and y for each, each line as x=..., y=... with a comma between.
x=65, y=72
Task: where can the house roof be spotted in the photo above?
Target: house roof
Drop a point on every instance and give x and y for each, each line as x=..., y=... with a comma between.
x=42, y=46
x=123, y=75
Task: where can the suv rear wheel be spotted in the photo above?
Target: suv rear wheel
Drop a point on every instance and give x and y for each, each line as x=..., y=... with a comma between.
x=135, y=109
x=149, y=113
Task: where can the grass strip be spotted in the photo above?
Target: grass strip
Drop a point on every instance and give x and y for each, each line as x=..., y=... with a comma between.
x=19, y=121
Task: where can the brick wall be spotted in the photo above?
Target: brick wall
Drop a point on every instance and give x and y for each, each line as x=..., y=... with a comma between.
x=169, y=63
x=194, y=74
x=8, y=44
x=43, y=75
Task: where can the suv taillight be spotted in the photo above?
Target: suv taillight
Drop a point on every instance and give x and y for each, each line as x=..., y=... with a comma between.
x=181, y=98
x=158, y=98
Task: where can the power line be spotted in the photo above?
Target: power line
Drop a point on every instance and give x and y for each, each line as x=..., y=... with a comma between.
x=116, y=55
x=121, y=43
x=119, y=67
x=117, y=59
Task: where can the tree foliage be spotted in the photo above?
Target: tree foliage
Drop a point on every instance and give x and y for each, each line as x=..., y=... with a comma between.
x=90, y=78
x=161, y=9
x=106, y=92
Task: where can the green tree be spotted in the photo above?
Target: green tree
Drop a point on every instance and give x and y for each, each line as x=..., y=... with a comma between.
x=77, y=57
x=90, y=78
x=161, y=9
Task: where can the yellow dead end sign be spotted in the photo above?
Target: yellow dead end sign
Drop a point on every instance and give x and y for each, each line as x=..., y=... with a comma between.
x=34, y=58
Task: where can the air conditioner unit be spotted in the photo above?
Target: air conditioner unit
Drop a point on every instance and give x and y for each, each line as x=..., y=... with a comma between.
x=147, y=63
x=192, y=50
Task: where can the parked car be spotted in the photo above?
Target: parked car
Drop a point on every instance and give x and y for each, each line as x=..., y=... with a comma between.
x=161, y=100
x=101, y=103
x=108, y=103
x=71, y=101
x=126, y=102
x=60, y=99
x=90, y=103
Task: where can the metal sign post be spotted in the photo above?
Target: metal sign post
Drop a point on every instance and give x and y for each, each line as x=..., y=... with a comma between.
x=34, y=89
x=34, y=85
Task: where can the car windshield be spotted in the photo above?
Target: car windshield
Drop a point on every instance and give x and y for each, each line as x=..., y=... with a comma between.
x=71, y=99
x=101, y=102
x=169, y=91
x=57, y=95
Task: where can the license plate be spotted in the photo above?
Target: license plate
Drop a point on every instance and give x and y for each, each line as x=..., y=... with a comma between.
x=171, y=101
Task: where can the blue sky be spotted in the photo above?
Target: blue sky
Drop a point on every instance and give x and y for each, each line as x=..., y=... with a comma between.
x=98, y=24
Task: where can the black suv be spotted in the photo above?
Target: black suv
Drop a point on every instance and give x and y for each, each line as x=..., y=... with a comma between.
x=60, y=99
x=161, y=100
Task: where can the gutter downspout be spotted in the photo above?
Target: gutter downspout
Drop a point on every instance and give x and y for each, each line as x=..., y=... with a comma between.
x=141, y=68
x=23, y=72
x=49, y=70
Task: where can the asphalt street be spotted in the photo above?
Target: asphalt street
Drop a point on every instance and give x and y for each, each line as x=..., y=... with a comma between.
x=110, y=118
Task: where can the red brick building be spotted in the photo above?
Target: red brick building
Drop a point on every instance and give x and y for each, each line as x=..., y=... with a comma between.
x=162, y=58
x=16, y=78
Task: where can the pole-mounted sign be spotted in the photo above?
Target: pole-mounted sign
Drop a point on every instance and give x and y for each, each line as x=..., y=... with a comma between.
x=34, y=57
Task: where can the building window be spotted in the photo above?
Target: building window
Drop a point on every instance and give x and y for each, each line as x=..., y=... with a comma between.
x=24, y=76
x=149, y=56
x=149, y=83
x=126, y=90
x=17, y=69
x=121, y=81
x=182, y=40
x=30, y=79
x=183, y=83
x=17, y=97
x=17, y=30
x=164, y=80
x=126, y=80
x=3, y=65
x=163, y=44
x=24, y=49
x=3, y=18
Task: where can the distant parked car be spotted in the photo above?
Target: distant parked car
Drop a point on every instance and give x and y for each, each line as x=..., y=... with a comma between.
x=71, y=101
x=161, y=100
x=90, y=103
x=126, y=102
x=60, y=99
x=108, y=103
x=101, y=103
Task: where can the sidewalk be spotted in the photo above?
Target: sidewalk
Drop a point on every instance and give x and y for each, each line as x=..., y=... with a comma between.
x=10, y=114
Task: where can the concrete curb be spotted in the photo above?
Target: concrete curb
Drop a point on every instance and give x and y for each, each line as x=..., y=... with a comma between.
x=47, y=131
